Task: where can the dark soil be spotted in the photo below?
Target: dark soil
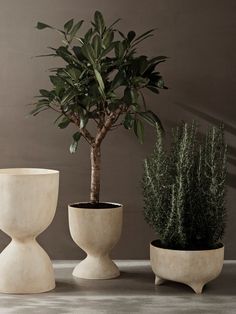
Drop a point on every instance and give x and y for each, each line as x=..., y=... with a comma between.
x=159, y=244
x=95, y=206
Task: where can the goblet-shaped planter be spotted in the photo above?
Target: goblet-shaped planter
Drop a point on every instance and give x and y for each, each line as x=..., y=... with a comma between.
x=28, y=200
x=96, y=231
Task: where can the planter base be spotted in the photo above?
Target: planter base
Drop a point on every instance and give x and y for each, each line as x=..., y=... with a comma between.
x=159, y=281
x=197, y=287
x=193, y=268
x=101, y=267
x=25, y=268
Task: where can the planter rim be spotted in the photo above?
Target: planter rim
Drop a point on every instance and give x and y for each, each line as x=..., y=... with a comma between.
x=26, y=171
x=190, y=251
x=73, y=205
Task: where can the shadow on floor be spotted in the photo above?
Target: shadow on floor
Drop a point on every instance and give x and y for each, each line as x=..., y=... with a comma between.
x=65, y=286
x=138, y=282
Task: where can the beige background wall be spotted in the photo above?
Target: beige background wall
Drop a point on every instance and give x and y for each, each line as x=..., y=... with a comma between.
x=199, y=38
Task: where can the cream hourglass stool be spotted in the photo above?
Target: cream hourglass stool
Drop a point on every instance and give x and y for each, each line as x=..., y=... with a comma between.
x=28, y=200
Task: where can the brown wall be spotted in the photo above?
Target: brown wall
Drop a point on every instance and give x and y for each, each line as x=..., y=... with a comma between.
x=198, y=36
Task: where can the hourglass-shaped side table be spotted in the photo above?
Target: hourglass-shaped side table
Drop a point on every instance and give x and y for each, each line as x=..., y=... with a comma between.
x=28, y=201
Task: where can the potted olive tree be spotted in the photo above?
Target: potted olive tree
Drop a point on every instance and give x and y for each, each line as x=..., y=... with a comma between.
x=101, y=81
x=184, y=201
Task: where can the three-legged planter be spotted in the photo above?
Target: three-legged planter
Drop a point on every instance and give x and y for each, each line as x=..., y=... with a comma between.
x=28, y=200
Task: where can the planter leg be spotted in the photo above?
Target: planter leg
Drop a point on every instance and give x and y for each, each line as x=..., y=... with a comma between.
x=197, y=287
x=25, y=268
x=96, y=267
x=159, y=281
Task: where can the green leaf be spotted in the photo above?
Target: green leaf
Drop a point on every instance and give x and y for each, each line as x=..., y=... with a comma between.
x=121, y=34
x=41, y=25
x=130, y=96
x=108, y=49
x=160, y=83
x=144, y=35
x=153, y=89
x=68, y=25
x=69, y=96
x=99, y=22
x=65, y=54
x=45, y=93
x=75, y=29
x=56, y=80
x=128, y=121
x=119, y=50
x=107, y=39
x=139, y=130
x=83, y=120
x=131, y=35
x=116, y=21
x=157, y=59
x=151, y=118
x=64, y=123
x=114, y=105
x=134, y=95
x=118, y=80
x=35, y=112
x=73, y=72
x=140, y=81
x=43, y=102
x=77, y=136
x=89, y=53
x=73, y=147
x=88, y=35
x=40, y=106
x=142, y=64
x=46, y=55
x=96, y=44
x=99, y=79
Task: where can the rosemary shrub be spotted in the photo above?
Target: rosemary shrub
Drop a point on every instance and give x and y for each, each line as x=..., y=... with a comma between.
x=184, y=188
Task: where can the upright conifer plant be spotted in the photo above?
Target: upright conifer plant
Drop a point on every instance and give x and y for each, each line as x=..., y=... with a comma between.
x=101, y=80
x=184, y=197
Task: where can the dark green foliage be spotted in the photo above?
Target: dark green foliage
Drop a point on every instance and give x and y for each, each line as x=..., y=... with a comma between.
x=102, y=72
x=184, y=188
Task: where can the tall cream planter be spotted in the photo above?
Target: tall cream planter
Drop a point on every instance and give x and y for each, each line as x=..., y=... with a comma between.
x=28, y=200
x=96, y=231
x=193, y=268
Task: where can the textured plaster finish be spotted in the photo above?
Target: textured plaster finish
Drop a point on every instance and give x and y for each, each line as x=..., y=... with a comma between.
x=193, y=268
x=133, y=292
x=28, y=200
x=96, y=231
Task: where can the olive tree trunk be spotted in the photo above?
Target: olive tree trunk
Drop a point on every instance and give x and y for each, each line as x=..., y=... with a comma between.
x=95, y=157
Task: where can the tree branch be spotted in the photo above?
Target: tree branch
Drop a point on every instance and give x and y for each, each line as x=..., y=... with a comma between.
x=84, y=132
x=115, y=126
x=107, y=125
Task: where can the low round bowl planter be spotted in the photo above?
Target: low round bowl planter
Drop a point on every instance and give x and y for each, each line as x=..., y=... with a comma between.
x=28, y=200
x=193, y=268
x=96, y=231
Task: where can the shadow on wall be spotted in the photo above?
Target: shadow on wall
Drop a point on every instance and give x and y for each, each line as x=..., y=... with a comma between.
x=231, y=177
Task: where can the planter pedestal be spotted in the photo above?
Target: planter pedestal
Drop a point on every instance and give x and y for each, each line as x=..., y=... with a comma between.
x=96, y=231
x=28, y=199
x=96, y=267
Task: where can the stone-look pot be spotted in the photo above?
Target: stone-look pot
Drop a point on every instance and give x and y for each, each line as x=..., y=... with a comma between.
x=193, y=268
x=28, y=200
x=96, y=231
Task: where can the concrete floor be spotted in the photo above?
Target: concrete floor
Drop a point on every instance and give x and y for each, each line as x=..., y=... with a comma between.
x=133, y=292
